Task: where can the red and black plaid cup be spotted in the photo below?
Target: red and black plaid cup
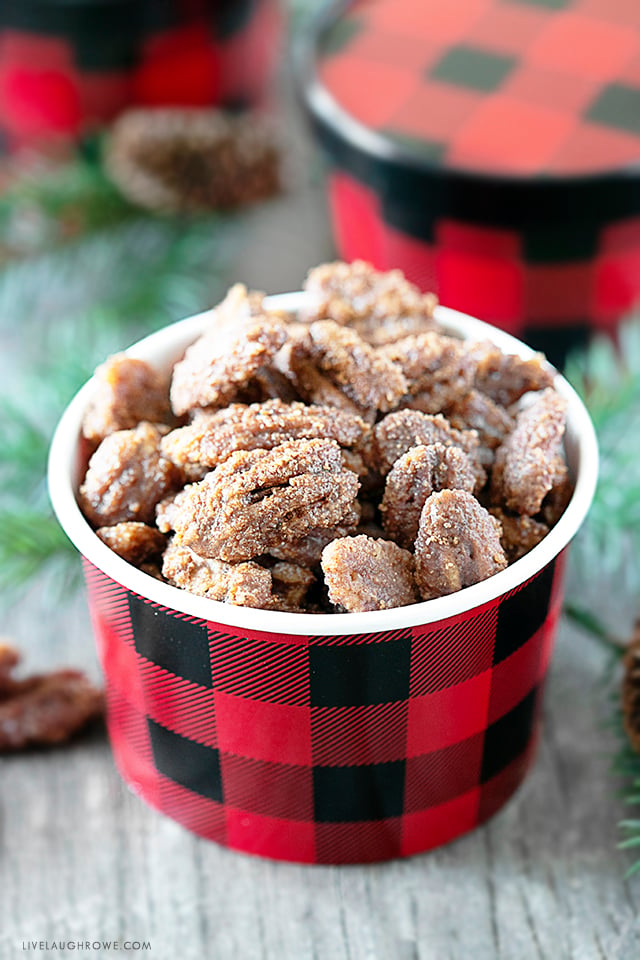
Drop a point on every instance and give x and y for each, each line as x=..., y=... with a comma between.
x=69, y=66
x=488, y=148
x=314, y=737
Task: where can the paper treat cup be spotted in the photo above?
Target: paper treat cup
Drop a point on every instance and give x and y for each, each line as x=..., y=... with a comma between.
x=67, y=66
x=324, y=738
x=490, y=150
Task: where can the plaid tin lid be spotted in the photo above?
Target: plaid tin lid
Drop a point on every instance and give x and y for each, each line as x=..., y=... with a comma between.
x=453, y=102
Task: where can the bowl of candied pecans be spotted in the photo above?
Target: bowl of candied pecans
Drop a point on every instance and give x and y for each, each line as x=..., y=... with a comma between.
x=324, y=536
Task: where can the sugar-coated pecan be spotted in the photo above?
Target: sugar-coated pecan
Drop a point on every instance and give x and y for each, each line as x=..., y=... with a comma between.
x=127, y=477
x=212, y=437
x=43, y=709
x=381, y=307
x=134, y=542
x=307, y=551
x=530, y=462
x=126, y=391
x=438, y=369
x=330, y=362
x=366, y=574
x=477, y=411
x=258, y=499
x=245, y=584
x=519, y=534
x=458, y=544
x=403, y=429
x=223, y=361
x=291, y=583
x=413, y=478
x=505, y=377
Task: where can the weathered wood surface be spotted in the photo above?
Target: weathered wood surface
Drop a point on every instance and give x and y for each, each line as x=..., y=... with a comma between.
x=83, y=859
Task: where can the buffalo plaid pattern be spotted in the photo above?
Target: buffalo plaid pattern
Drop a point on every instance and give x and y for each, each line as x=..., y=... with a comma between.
x=507, y=185
x=552, y=291
x=508, y=87
x=67, y=68
x=325, y=749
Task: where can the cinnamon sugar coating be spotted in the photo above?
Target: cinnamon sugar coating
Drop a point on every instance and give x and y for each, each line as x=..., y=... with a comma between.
x=477, y=411
x=413, y=478
x=212, y=437
x=519, y=534
x=530, y=462
x=438, y=369
x=506, y=377
x=223, y=360
x=127, y=391
x=257, y=499
x=291, y=583
x=127, y=477
x=366, y=574
x=296, y=362
x=307, y=551
x=380, y=306
x=401, y=430
x=458, y=544
x=134, y=542
x=331, y=364
x=244, y=584
x=43, y=709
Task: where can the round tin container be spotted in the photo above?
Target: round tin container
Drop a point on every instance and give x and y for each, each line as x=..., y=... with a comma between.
x=490, y=149
x=324, y=738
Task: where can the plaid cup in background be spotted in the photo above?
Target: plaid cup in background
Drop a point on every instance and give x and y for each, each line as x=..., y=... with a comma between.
x=491, y=150
x=69, y=66
x=324, y=738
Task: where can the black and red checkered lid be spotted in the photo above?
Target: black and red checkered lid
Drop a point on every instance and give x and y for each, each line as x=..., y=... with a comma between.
x=522, y=92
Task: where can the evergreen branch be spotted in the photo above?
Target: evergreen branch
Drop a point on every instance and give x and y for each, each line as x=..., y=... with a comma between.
x=46, y=203
x=102, y=294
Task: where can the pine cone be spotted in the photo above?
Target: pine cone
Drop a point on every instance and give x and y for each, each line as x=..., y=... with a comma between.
x=631, y=690
x=190, y=160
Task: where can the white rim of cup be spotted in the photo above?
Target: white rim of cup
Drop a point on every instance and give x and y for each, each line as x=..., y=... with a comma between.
x=168, y=344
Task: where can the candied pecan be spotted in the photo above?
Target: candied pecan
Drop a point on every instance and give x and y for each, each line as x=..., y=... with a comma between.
x=413, y=478
x=331, y=362
x=45, y=709
x=438, y=369
x=477, y=411
x=223, y=361
x=291, y=584
x=134, y=542
x=239, y=304
x=367, y=377
x=127, y=391
x=296, y=364
x=366, y=574
x=307, y=551
x=458, y=544
x=529, y=462
x=403, y=429
x=519, y=534
x=166, y=509
x=505, y=377
x=211, y=438
x=382, y=307
x=127, y=477
x=257, y=499
x=557, y=500
x=244, y=584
